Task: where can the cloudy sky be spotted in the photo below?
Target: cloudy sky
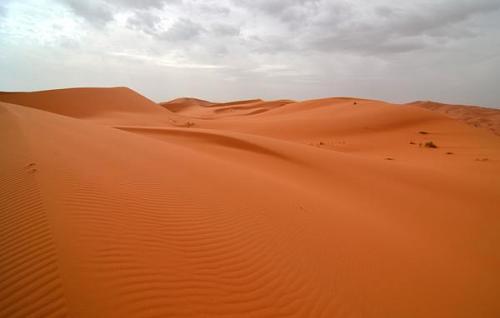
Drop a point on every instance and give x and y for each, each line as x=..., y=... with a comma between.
x=400, y=51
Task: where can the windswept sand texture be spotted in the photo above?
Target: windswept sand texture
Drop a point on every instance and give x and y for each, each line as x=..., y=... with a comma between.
x=114, y=206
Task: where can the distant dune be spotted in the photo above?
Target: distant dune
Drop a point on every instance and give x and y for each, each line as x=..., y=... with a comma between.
x=180, y=104
x=488, y=118
x=114, y=206
x=201, y=108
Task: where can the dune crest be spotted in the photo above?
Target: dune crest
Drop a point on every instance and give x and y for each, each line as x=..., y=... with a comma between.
x=114, y=206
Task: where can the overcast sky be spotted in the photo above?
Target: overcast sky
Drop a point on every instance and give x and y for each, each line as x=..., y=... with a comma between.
x=400, y=51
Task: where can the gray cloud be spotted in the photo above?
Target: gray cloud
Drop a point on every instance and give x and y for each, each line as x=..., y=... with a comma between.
x=439, y=16
x=96, y=12
x=225, y=29
x=274, y=7
x=182, y=30
x=307, y=25
x=394, y=30
x=214, y=9
x=314, y=47
x=145, y=21
x=100, y=12
x=143, y=4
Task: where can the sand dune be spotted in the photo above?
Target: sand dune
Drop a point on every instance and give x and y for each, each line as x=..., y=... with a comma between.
x=196, y=108
x=181, y=104
x=114, y=206
x=487, y=118
x=103, y=105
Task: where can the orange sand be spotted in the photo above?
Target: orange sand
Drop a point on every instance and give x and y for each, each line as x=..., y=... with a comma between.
x=114, y=206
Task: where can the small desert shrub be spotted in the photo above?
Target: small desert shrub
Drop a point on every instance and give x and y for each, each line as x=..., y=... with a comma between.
x=412, y=143
x=423, y=132
x=430, y=144
x=189, y=124
x=449, y=153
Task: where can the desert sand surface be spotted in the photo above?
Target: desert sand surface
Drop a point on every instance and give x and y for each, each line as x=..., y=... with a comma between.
x=113, y=205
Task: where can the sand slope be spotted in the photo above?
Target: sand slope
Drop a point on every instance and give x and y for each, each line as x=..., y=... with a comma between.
x=294, y=211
